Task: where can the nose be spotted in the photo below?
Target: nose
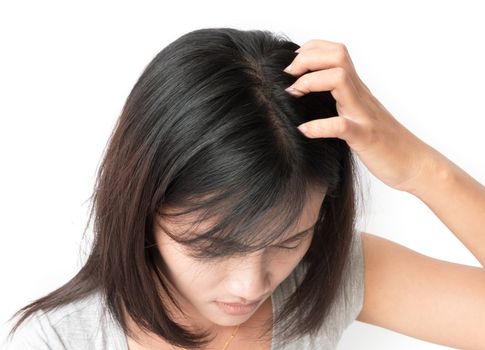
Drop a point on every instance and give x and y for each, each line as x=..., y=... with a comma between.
x=249, y=278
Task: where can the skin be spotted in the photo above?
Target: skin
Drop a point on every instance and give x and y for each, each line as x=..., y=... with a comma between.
x=252, y=277
x=438, y=301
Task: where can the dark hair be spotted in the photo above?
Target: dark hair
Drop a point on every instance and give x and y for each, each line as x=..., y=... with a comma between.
x=208, y=127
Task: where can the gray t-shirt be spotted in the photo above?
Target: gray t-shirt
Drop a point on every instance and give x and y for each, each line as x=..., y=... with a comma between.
x=86, y=325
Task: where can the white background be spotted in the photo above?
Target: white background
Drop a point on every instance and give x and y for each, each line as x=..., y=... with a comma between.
x=66, y=70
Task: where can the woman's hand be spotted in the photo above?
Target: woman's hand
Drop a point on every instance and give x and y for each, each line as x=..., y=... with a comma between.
x=390, y=151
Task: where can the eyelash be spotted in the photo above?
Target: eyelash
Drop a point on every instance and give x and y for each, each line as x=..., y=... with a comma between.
x=287, y=248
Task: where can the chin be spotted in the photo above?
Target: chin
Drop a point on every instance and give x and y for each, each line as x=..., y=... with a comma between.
x=230, y=322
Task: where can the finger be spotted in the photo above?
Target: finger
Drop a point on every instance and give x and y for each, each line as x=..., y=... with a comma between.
x=339, y=127
x=315, y=56
x=335, y=80
x=316, y=59
x=318, y=43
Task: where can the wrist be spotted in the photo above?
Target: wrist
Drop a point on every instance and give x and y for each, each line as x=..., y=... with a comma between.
x=436, y=170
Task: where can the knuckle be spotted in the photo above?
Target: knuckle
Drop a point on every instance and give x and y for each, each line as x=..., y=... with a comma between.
x=341, y=56
x=304, y=83
x=341, y=48
x=303, y=59
x=314, y=41
x=341, y=126
x=341, y=75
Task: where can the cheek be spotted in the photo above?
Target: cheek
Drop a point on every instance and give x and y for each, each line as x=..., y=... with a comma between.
x=186, y=274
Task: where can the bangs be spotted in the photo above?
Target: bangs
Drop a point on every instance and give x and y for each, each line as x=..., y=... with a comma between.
x=234, y=223
x=207, y=146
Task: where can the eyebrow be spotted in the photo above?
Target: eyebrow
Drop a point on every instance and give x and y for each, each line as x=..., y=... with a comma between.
x=299, y=235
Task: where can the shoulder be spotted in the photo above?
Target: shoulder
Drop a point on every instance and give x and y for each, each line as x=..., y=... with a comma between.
x=386, y=262
x=79, y=325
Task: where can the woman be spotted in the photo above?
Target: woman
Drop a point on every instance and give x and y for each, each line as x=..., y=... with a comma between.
x=208, y=195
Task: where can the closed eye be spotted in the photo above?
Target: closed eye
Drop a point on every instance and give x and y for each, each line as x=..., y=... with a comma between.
x=287, y=248
x=297, y=238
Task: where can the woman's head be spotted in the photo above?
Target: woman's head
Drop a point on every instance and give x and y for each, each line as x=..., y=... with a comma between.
x=208, y=132
x=234, y=276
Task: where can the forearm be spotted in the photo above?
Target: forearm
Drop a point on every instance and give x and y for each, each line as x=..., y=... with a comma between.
x=456, y=198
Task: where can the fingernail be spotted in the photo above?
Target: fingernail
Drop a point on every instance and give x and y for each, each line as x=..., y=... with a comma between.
x=293, y=91
x=288, y=69
x=303, y=128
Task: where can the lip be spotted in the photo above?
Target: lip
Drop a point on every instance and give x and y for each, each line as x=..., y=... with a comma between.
x=236, y=309
x=238, y=304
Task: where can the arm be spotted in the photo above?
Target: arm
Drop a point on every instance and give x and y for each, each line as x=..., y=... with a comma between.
x=422, y=297
x=390, y=151
x=410, y=293
x=456, y=198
